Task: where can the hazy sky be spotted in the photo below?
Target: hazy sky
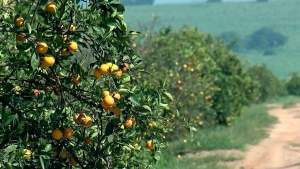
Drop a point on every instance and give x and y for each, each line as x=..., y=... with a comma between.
x=189, y=1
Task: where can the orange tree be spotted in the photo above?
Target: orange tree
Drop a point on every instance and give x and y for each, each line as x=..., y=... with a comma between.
x=210, y=83
x=57, y=113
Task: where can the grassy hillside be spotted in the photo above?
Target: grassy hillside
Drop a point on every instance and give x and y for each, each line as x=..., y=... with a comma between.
x=241, y=17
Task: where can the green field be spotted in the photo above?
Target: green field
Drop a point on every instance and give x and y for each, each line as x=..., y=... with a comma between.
x=241, y=17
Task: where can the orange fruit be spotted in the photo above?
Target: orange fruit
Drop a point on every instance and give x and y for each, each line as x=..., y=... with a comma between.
x=72, y=28
x=63, y=154
x=41, y=48
x=114, y=68
x=73, y=46
x=109, y=64
x=105, y=93
x=105, y=107
x=50, y=7
x=20, y=22
x=72, y=161
x=20, y=37
x=64, y=37
x=68, y=132
x=118, y=73
x=128, y=123
x=27, y=154
x=104, y=69
x=35, y=92
x=56, y=134
x=150, y=124
x=87, y=121
x=57, y=91
x=97, y=73
x=47, y=61
x=108, y=101
x=87, y=140
x=144, y=134
x=65, y=52
x=121, y=126
x=133, y=120
x=124, y=67
x=76, y=118
x=116, y=110
x=116, y=95
x=75, y=79
x=150, y=145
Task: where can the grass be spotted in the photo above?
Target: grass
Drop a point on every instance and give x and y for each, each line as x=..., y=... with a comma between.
x=288, y=101
x=250, y=128
x=242, y=18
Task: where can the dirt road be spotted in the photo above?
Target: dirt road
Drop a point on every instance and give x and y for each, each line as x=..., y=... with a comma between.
x=282, y=149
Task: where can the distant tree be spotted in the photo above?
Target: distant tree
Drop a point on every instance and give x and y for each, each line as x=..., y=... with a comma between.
x=265, y=38
x=137, y=2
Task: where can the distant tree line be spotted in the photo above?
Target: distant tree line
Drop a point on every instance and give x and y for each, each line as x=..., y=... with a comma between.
x=137, y=2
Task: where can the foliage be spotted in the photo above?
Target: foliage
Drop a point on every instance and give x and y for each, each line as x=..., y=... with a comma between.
x=265, y=38
x=232, y=39
x=57, y=113
x=293, y=84
x=209, y=82
x=137, y=2
x=269, y=85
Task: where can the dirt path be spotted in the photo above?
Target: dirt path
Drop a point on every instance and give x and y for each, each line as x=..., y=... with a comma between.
x=282, y=149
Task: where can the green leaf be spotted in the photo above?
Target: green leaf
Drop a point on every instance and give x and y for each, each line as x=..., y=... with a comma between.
x=10, y=148
x=35, y=61
x=133, y=100
x=193, y=128
x=168, y=96
x=42, y=162
x=28, y=27
x=48, y=147
x=8, y=165
x=110, y=138
x=9, y=119
x=147, y=107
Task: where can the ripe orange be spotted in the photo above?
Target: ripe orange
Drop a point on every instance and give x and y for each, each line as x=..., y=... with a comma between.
x=87, y=140
x=97, y=73
x=128, y=123
x=108, y=101
x=104, y=69
x=41, y=48
x=109, y=64
x=35, y=92
x=68, y=132
x=72, y=161
x=114, y=68
x=76, y=118
x=63, y=154
x=64, y=38
x=56, y=134
x=116, y=110
x=133, y=120
x=73, y=46
x=105, y=93
x=47, y=61
x=150, y=124
x=27, y=154
x=20, y=37
x=50, y=7
x=118, y=73
x=150, y=145
x=121, y=126
x=20, y=22
x=117, y=96
x=65, y=52
x=86, y=121
x=72, y=28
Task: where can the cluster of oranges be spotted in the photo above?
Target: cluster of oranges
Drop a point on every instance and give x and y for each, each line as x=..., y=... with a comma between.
x=108, y=102
x=83, y=119
x=107, y=68
x=64, y=154
x=42, y=48
x=57, y=134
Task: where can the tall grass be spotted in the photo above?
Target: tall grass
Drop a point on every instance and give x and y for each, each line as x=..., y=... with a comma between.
x=249, y=128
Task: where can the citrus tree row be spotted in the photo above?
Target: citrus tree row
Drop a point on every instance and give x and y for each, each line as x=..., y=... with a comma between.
x=210, y=83
x=58, y=111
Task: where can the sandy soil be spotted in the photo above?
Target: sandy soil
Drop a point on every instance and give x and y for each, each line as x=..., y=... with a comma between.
x=282, y=149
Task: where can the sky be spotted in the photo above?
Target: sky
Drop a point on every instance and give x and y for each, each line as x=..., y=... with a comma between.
x=189, y=1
